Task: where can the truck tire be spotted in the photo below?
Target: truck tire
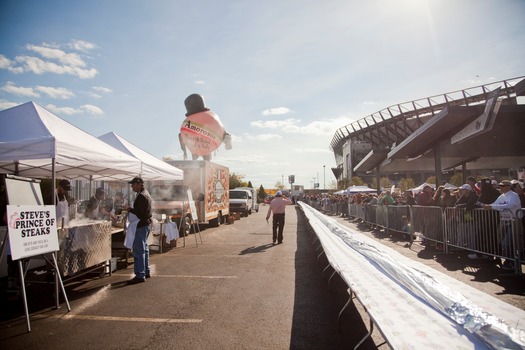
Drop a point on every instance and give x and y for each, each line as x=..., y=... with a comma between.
x=186, y=226
x=217, y=221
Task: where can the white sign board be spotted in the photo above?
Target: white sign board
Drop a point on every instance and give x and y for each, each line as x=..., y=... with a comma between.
x=193, y=209
x=32, y=230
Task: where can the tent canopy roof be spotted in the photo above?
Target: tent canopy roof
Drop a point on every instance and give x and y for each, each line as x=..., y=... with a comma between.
x=359, y=189
x=152, y=167
x=31, y=137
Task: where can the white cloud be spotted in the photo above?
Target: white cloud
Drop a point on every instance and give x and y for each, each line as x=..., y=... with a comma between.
x=11, y=88
x=81, y=45
x=38, y=66
x=6, y=63
x=275, y=124
x=58, y=93
x=62, y=110
x=102, y=89
x=52, y=60
x=68, y=59
x=199, y=82
x=93, y=110
x=90, y=109
x=292, y=126
x=94, y=95
x=6, y=104
x=275, y=111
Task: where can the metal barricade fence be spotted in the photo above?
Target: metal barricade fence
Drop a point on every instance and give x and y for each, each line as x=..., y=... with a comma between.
x=381, y=216
x=395, y=218
x=475, y=230
x=486, y=232
x=427, y=222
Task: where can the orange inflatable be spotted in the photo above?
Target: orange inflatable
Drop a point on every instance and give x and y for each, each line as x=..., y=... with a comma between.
x=202, y=131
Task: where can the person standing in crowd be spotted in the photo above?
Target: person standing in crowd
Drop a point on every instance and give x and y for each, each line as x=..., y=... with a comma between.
x=96, y=207
x=142, y=211
x=471, y=181
x=447, y=199
x=507, y=201
x=467, y=236
x=488, y=194
x=410, y=200
x=425, y=198
x=277, y=207
x=387, y=199
x=437, y=196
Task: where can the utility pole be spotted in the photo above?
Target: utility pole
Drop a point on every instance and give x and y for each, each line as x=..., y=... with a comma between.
x=324, y=177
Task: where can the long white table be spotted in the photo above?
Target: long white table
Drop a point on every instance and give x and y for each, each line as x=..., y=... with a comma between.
x=410, y=316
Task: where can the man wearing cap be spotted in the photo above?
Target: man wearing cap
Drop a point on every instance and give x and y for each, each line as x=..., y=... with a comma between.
x=95, y=208
x=142, y=210
x=277, y=207
x=508, y=203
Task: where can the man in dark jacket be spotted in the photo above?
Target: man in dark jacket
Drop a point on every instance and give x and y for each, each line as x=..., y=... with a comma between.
x=142, y=209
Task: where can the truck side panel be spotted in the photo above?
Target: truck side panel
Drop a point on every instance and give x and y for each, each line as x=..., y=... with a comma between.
x=209, y=184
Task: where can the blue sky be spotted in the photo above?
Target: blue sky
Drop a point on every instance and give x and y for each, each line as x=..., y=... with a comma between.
x=282, y=75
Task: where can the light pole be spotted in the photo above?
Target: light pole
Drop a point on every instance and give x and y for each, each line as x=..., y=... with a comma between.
x=324, y=177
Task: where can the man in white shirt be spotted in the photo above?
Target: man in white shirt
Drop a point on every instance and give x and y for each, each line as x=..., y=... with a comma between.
x=508, y=203
x=278, y=206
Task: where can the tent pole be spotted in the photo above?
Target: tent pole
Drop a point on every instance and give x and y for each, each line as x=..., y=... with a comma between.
x=53, y=181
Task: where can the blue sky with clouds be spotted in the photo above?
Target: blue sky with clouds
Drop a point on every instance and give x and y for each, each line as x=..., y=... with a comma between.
x=282, y=75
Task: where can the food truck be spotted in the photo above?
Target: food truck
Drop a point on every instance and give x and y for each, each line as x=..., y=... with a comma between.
x=208, y=184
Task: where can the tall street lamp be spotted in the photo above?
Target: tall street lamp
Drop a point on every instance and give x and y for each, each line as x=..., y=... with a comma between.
x=324, y=177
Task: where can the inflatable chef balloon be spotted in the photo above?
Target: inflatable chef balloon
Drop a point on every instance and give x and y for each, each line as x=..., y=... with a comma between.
x=202, y=131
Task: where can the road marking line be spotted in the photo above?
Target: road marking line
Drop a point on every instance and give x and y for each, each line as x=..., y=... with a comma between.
x=127, y=319
x=181, y=276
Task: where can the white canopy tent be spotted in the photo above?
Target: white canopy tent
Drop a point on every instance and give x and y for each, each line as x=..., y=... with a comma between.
x=359, y=189
x=152, y=167
x=36, y=143
x=419, y=188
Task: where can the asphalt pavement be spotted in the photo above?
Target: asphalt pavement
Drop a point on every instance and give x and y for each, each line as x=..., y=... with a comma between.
x=235, y=290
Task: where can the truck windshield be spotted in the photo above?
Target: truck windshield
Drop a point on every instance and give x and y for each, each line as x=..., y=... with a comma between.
x=238, y=195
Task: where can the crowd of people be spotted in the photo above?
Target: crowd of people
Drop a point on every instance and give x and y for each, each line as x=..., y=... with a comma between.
x=505, y=196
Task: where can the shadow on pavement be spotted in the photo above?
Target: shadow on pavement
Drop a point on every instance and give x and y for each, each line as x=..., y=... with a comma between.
x=317, y=305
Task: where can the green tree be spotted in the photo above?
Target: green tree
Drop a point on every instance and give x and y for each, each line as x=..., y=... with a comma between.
x=384, y=183
x=261, y=194
x=456, y=179
x=406, y=184
x=237, y=181
x=343, y=184
x=431, y=180
x=357, y=181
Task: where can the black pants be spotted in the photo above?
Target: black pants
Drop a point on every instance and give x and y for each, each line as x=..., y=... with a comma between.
x=278, y=226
